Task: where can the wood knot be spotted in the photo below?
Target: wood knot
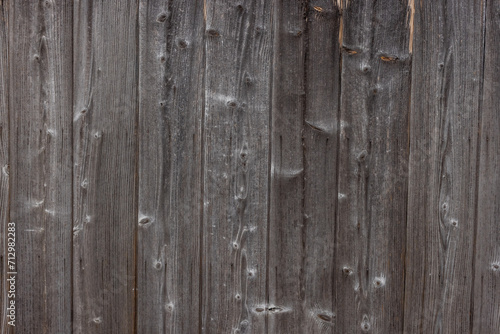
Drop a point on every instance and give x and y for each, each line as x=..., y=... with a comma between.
x=213, y=33
x=162, y=17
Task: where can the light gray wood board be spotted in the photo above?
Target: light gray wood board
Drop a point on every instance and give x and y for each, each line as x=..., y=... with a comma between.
x=447, y=67
x=40, y=95
x=236, y=166
x=485, y=307
x=105, y=158
x=171, y=73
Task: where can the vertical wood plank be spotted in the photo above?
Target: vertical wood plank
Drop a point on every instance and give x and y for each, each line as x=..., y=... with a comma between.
x=373, y=159
x=40, y=59
x=4, y=166
x=485, y=307
x=171, y=73
x=447, y=65
x=105, y=149
x=286, y=225
x=320, y=141
x=236, y=161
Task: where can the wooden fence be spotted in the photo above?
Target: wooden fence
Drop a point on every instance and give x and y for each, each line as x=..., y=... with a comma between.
x=250, y=166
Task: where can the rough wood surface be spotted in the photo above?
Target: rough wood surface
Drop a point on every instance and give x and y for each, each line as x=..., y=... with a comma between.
x=320, y=145
x=286, y=224
x=105, y=166
x=373, y=155
x=4, y=165
x=40, y=118
x=235, y=166
x=251, y=166
x=485, y=298
x=171, y=67
x=443, y=167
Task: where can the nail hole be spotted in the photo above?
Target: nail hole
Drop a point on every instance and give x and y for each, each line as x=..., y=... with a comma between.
x=212, y=32
x=182, y=43
x=162, y=17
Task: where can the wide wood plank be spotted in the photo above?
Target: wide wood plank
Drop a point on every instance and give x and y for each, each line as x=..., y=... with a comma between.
x=320, y=142
x=236, y=166
x=40, y=117
x=286, y=225
x=373, y=156
x=105, y=158
x=171, y=73
x=485, y=307
x=447, y=67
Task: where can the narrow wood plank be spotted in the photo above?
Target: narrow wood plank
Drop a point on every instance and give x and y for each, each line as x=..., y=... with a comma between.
x=286, y=275
x=236, y=166
x=171, y=100
x=373, y=160
x=4, y=165
x=320, y=133
x=485, y=307
x=40, y=59
x=105, y=148
x=447, y=64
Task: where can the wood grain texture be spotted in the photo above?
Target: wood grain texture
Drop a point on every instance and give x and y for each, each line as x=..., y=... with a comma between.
x=236, y=166
x=373, y=156
x=171, y=67
x=286, y=225
x=4, y=165
x=320, y=145
x=105, y=158
x=260, y=166
x=447, y=67
x=485, y=303
x=40, y=60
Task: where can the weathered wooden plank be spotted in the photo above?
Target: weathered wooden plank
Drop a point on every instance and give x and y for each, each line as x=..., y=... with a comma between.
x=4, y=165
x=447, y=63
x=485, y=307
x=171, y=100
x=236, y=166
x=40, y=117
x=320, y=141
x=373, y=156
x=105, y=149
x=286, y=276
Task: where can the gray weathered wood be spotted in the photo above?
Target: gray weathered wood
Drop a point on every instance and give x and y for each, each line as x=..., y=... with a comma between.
x=373, y=155
x=40, y=93
x=320, y=142
x=171, y=67
x=286, y=225
x=4, y=165
x=485, y=307
x=236, y=166
x=105, y=158
x=260, y=166
x=447, y=67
